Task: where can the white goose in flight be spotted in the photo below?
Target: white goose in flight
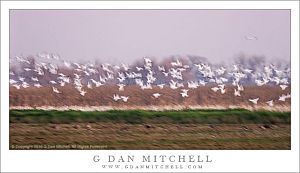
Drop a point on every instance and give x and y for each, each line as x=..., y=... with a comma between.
x=82, y=92
x=55, y=90
x=215, y=89
x=184, y=93
x=254, y=101
x=156, y=95
x=283, y=87
x=270, y=103
x=121, y=87
x=116, y=97
x=251, y=37
x=124, y=98
x=37, y=85
x=237, y=93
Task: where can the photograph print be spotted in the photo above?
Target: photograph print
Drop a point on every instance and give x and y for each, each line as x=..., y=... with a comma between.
x=149, y=79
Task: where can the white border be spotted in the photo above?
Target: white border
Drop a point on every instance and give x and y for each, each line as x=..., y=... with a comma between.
x=76, y=161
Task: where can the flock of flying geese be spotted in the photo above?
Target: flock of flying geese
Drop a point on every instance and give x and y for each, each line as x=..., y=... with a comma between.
x=25, y=72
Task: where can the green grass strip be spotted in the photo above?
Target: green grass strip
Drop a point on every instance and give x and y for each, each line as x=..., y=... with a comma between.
x=227, y=116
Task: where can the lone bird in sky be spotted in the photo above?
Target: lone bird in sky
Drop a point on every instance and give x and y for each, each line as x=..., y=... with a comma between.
x=251, y=37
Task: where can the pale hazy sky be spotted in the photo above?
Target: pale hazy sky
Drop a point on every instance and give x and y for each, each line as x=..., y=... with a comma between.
x=126, y=35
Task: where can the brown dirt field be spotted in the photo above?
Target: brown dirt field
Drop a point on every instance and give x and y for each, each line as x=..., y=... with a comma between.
x=149, y=136
x=103, y=96
x=103, y=135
